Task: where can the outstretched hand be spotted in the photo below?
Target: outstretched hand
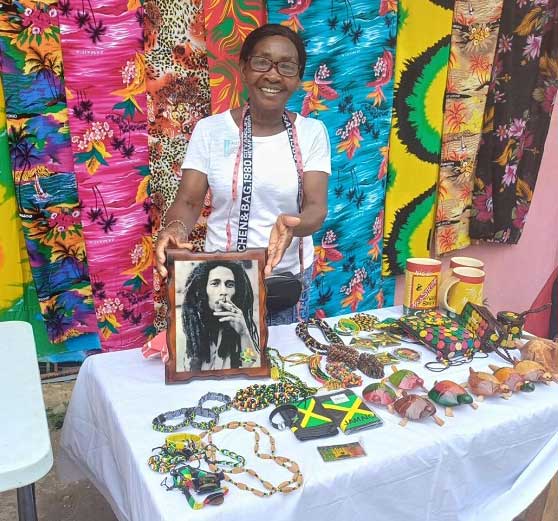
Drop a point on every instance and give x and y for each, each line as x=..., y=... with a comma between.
x=280, y=239
x=171, y=237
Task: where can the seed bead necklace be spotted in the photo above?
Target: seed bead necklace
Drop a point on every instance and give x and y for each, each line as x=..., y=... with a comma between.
x=284, y=487
x=302, y=331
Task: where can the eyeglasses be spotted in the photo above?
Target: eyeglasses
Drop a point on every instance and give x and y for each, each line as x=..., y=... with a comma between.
x=261, y=64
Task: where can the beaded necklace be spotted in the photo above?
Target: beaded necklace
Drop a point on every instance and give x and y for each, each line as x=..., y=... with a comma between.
x=270, y=489
x=302, y=331
x=289, y=388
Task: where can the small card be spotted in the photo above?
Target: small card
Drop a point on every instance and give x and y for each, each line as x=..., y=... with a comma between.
x=343, y=451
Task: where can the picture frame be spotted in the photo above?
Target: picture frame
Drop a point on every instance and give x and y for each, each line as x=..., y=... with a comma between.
x=216, y=321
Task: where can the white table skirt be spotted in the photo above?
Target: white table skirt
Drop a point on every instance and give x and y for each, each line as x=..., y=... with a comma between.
x=487, y=464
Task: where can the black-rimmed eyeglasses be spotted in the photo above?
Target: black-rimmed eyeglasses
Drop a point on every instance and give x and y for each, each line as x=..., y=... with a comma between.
x=261, y=64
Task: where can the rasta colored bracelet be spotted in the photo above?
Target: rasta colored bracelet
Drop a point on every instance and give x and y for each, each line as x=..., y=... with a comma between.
x=216, y=397
x=341, y=372
x=284, y=487
x=259, y=396
x=159, y=421
x=302, y=331
x=189, y=413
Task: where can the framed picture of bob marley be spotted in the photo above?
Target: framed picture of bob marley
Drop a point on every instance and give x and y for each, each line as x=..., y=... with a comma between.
x=217, y=315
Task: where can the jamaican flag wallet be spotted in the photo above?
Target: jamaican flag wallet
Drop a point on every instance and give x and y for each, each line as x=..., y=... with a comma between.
x=311, y=422
x=348, y=411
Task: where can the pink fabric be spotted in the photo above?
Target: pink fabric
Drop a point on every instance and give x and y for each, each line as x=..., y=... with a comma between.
x=102, y=45
x=157, y=347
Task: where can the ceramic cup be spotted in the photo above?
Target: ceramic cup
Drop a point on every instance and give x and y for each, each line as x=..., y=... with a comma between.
x=464, y=285
x=466, y=262
x=422, y=277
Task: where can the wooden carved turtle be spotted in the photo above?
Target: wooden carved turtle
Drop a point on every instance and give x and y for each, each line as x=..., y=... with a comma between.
x=510, y=377
x=414, y=407
x=543, y=351
x=405, y=379
x=449, y=394
x=380, y=394
x=484, y=384
x=532, y=371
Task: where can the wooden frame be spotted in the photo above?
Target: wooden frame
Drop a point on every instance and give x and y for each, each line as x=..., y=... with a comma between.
x=216, y=323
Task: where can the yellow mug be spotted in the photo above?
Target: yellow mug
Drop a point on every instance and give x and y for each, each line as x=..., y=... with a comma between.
x=466, y=262
x=422, y=276
x=464, y=285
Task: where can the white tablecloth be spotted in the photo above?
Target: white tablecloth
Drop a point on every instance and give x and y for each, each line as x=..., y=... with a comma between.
x=487, y=464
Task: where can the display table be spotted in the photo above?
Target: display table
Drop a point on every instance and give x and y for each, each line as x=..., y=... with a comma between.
x=484, y=464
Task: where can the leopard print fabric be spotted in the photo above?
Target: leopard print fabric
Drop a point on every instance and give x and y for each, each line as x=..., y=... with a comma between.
x=178, y=96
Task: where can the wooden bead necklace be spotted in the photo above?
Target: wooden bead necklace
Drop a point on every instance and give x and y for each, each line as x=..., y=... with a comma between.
x=284, y=487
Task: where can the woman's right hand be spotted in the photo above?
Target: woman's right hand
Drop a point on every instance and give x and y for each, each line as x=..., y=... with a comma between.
x=173, y=236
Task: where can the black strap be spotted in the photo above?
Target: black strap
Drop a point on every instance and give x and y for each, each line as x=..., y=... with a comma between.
x=246, y=167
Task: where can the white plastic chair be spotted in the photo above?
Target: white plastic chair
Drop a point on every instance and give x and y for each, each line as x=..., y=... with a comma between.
x=25, y=448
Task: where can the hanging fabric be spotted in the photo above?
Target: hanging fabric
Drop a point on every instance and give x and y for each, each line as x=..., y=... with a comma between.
x=177, y=98
x=423, y=41
x=18, y=296
x=43, y=170
x=104, y=70
x=516, y=119
x=473, y=44
x=227, y=24
x=348, y=85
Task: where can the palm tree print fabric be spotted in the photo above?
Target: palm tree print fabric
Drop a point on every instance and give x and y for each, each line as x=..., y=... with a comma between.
x=43, y=170
x=177, y=98
x=473, y=44
x=423, y=43
x=517, y=117
x=108, y=121
x=227, y=23
x=348, y=84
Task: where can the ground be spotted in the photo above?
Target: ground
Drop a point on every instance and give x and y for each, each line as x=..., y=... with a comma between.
x=57, y=501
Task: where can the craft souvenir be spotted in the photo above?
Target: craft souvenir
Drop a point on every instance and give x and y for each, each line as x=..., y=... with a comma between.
x=452, y=343
x=414, y=407
x=543, y=351
x=341, y=372
x=370, y=365
x=366, y=321
x=386, y=358
x=381, y=394
x=363, y=343
x=347, y=326
x=406, y=354
x=312, y=422
x=374, y=341
x=259, y=432
x=532, y=371
x=449, y=395
x=349, y=411
x=512, y=379
x=482, y=323
x=302, y=331
x=405, y=379
x=483, y=384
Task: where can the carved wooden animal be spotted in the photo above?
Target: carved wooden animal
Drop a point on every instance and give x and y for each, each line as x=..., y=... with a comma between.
x=415, y=407
x=532, y=371
x=512, y=378
x=543, y=351
x=485, y=384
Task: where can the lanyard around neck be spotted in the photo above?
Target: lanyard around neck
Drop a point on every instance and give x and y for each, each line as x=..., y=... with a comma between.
x=245, y=153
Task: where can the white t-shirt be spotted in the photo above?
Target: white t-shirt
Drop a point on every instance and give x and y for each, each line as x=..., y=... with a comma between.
x=212, y=150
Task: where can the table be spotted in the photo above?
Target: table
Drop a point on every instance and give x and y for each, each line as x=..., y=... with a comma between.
x=488, y=463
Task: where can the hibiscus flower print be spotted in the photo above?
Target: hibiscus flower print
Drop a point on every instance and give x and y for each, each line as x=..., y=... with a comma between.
x=532, y=48
x=520, y=215
x=510, y=175
x=517, y=127
x=483, y=206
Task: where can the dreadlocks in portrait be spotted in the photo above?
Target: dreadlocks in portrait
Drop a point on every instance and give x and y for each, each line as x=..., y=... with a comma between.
x=218, y=317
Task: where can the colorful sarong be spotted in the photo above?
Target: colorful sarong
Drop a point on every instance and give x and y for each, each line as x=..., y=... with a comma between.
x=348, y=84
x=473, y=44
x=177, y=98
x=516, y=119
x=423, y=40
x=18, y=297
x=227, y=23
x=104, y=66
x=43, y=171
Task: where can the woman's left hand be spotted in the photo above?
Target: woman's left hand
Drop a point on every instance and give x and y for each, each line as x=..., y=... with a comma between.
x=232, y=314
x=280, y=239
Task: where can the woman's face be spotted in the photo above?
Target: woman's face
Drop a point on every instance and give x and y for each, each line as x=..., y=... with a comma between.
x=270, y=90
x=220, y=287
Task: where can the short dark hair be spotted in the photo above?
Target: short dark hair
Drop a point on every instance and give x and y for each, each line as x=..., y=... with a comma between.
x=267, y=30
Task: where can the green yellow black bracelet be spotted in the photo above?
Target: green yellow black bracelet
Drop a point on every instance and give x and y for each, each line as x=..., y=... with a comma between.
x=159, y=421
x=216, y=397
